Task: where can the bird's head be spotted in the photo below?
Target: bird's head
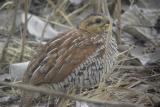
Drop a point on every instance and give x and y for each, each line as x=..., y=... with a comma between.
x=95, y=23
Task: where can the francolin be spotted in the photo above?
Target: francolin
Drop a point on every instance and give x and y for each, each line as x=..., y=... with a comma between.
x=74, y=58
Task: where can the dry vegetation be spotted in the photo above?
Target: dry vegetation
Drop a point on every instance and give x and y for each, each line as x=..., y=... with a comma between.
x=136, y=78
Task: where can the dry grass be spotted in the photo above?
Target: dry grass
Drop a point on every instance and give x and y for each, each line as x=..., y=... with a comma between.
x=123, y=85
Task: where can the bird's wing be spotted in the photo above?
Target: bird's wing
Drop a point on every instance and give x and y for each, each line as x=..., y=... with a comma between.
x=60, y=57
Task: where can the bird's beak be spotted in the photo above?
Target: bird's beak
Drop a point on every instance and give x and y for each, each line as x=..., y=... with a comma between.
x=108, y=26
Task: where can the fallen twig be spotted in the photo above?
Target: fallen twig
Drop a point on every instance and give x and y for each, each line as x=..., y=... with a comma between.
x=59, y=94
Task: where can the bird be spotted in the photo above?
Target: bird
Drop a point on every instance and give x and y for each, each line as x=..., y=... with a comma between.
x=74, y=58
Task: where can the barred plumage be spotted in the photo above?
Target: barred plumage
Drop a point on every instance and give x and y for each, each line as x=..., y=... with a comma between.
x=74, y=58
x=89, y=73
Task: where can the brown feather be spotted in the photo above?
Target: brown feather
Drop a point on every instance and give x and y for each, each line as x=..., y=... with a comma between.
x=58, y=65
x=76, y=54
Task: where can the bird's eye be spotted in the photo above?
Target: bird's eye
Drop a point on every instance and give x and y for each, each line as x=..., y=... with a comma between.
x=98, y=20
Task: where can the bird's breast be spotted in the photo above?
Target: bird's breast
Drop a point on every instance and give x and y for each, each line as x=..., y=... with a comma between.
x=89, y=72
